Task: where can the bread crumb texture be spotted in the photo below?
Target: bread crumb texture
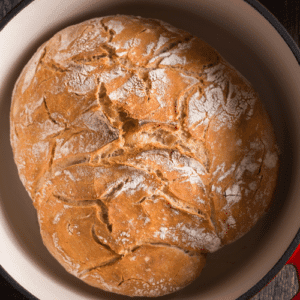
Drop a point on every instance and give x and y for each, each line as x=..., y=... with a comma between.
x=143, y=151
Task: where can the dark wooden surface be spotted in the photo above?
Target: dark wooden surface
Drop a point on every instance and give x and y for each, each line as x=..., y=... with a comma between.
x=285, y=285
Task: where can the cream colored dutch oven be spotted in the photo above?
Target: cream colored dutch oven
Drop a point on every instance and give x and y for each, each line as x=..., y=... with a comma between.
x=253, y=41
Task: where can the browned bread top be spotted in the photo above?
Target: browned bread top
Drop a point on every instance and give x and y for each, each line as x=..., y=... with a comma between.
x=142, y=149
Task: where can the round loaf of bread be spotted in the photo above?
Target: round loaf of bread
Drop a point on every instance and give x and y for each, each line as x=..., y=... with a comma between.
x=142, y=150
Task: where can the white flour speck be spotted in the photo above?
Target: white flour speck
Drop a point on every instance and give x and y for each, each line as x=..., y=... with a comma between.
x=231, y=221
x=131, y=43
x=107, y=77
x=172, y=60
x=116, y=26
x=233, y=194
x=270, y=160
x=161, y=233
x=246, y=164
x=159, y=84
x=161, y=41
x=40, y=149
x=149, y=48
x=70, y=175
x=134, y=86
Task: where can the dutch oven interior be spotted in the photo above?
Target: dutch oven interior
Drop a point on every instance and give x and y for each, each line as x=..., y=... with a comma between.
x=223, y=265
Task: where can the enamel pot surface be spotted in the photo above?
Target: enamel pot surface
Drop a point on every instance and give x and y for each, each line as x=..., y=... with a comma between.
x=248, y=37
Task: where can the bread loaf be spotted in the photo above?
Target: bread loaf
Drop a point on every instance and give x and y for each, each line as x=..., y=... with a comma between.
x=143, y=151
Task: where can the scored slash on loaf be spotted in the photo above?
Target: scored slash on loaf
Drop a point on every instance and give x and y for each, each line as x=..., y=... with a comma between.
x=143, y=151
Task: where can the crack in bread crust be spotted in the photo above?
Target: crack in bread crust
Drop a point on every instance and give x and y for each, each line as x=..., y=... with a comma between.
x=97, y=240
x=105, y=264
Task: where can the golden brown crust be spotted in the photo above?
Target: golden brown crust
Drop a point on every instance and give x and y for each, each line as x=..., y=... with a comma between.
x=142, y=149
